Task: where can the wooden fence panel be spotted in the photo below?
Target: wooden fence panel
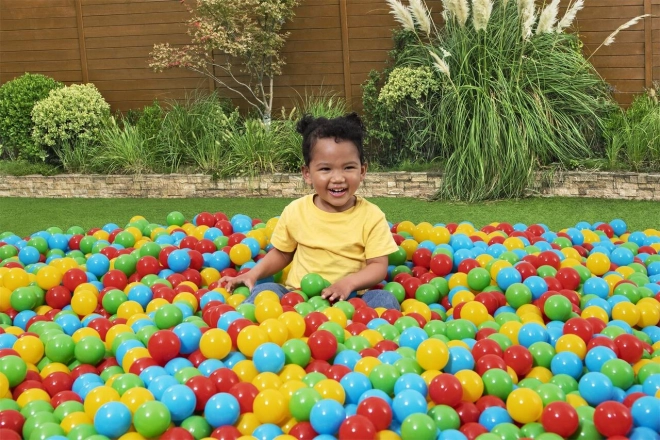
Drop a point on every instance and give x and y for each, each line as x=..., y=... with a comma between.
x=332, y=44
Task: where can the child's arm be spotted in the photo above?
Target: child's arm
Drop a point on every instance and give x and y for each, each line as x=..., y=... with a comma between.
x=274, y=261
x=373, y=273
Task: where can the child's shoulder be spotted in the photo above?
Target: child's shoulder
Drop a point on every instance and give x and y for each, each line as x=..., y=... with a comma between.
x=368, y=206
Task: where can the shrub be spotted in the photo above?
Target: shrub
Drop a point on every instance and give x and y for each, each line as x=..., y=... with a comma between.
x=67, y=115
x=17, y=97
x=514, y=92
x=633, y=135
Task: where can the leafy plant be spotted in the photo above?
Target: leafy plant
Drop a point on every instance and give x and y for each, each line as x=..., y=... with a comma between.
x=67, y=115
x=79, y=156
x=247, y=36
x=256, y=149
x=17, y=97
x=633, y=135
x=190, y=128
x=21, y=167
x=514, y=93
x=126, y=150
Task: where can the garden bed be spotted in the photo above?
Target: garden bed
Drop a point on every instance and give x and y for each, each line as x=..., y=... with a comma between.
x=610, y=185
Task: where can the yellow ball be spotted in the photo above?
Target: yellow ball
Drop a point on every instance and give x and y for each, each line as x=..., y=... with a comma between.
x=440, y=235
x=475, y=312
x=247, y=423
x=49, y=277
x=74, y=419
x=524, y=405
x=366, y=364
x=295, y=324
x=276, y=331
x=336, y=315
x=267, y=309
x=135, y=397
x=598, y=264
x=540, y=373
x=215, y=344
x=331, y=389
x=84, y=302
x=98, y=397
x=267, y=381
x=250, y=338
x=432, y=354
x=30, y=349
x=422, y=231
x=31, y=395
x=410, y=246
x=627, y=312
x=15, y=277
x=473, y=385
x=571, y=343
x=406, y=226
x=292, y=372
x=245, y=370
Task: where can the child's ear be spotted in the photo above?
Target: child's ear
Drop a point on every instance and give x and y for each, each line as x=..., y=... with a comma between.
x=305, y=173
x=363, y=171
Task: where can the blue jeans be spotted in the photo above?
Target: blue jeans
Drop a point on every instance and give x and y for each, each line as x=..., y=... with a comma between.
x=373, y=298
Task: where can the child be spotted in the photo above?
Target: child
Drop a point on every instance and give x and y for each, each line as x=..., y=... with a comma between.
x=334, y=233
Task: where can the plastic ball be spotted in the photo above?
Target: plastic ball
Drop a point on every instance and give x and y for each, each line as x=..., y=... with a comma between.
x=112, y=419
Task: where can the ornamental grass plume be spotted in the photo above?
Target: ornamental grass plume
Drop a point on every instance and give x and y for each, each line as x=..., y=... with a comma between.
x=462, y=11
x=440, y=64
x=570, y=15
x=612, y=37
x=527, y=14
x=481, y=10
x=421, y=15
x=548, y=18
x=402, y=15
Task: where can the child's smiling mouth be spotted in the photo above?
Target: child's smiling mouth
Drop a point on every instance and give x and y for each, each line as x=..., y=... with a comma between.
x=337, y=192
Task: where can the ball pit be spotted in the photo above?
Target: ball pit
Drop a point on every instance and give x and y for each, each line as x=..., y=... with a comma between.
x=506, y=332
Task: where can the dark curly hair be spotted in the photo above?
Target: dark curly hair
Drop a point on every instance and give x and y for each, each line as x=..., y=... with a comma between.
x=344, y=128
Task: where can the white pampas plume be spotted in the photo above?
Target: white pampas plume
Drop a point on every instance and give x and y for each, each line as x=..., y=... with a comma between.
x=569, y=16
x=610, y=39
x=421, y=15
x=440, y=64
x=402, y=15
x=527, y=13
x=481, y=10
x=462, y=11
x=548, y=18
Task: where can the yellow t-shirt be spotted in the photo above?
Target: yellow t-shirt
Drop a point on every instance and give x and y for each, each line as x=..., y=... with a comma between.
x=332, y=245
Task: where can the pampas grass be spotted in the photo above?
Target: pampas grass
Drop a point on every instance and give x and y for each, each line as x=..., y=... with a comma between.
x=548, y=18
x=402, y=15
x=440, y=64
x=612, y=37
x=421, y=15
x=462, y=11
x=570, y=15
x=527, y=13
x=481, y=10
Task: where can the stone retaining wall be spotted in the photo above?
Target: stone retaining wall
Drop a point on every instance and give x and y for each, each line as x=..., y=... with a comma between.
x=390, y=184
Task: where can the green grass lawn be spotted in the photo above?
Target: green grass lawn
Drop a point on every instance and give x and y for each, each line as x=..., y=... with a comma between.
x=24, y=216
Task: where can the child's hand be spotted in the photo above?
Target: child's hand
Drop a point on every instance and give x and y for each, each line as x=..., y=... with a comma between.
x=339, y=291
x=230, y=283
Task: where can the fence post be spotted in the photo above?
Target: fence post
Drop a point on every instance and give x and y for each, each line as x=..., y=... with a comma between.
x=345, y=47
x=81, y=41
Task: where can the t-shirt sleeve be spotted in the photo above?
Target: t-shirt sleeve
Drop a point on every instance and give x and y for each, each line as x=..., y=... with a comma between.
x=379, y=240
x=281, y=238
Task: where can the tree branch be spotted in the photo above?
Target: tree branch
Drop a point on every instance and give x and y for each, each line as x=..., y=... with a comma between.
x=237, y=81
x=218, y=80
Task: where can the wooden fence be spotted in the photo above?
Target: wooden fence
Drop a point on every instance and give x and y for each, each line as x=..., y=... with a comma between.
x=332, y=43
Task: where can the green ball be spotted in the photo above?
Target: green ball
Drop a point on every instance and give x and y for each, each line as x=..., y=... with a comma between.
x=532, y=430
x=565, y=382
x=517, y=295
x=312, y=284
x=82, y=432
x=459, y=329
x=66, y=408
x=150, y=249
x=319, y=303
x=405, y=322
x=60, y=348
x=398, y=257
x=507, y=431
x=419, y=427
x=125, y=239
x=126, y=264
x=35, y=407
x=6, y=404
x=426, y=293
x=648, y=370
x=296, y=352
x=311, y=379
x=336, y=330
x=345, y=307
x=549, y=393
x=388, y=331
x=32, y=423
x=113, y=299
x=145, y=333
x=357, y=343
x=620, y=373
x=14, y=368
x=46, y=431
x=248, y=311
x=168, y=316
x=221, y=242
x=546, y=271
x=558, y=308
x=442, y=284
x=302, y=401
x=186, y=373
x=23, y=298
x=542, y=354
x=510, y=257
x=478, y=279
x=303, y=308
x=175, y=218
x=89, y=350
x=397, y=290
x=40, y=244
x=197, y=426
x=151, y=419
x=435, y=327
x=497, y=383
x=8, y=251
x=445, y=417
x=111, y=371
x=87, y=244
x=401, y=269
x=408, y=365
x=383, y=377
x=126, y=381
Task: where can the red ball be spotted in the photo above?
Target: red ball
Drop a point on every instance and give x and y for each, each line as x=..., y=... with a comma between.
x=377, y=411
x=64, y=396
x=363, y=315
x=560, y=418
x=164, y=345
x=410, y=285
x=56, y=382
x=58, y=297
x=441, y=265
x=245, y=393
x=115, y=278
x=322, y=344
x=467, y=265
x=11, y=420
x=72, y=278
x=489, y=362
x=630, y=348
x=549, y=258
x=357, y=427
x=472, y=430
x=204, y=389
x=206, y=219
x=224, y=379
x=313, y=320
x=226, y=432
x=487, y=401
x=580, y=327
x=613, y=418
x=446, y=389
x=467, y=412
x=176, y=433
x=337, y=372
x=422, y=257
x=147, y=265
x=484, y=347
x=303, y=431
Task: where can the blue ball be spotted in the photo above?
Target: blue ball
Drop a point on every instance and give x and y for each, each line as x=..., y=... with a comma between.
x=189, y=335
x=531, y=333
x=326, y=416
x=29, y=255
x=410, y=381
x=180, y=400
x=98, y=264
x=508, y=276
x=408, y=402
x=646, y=412
x=493, y=416
x=112, y=419
x=176, y=364
x=222, y=409
x=460, y=358
x=150, y=373
x=355, y=384
x=267, y=431
x=412, y=337
x=179, y=260
x=596, y=286
x=595, y=388
x=160, y=384
x=567, y=363
x=597, y=356
x=268, y=357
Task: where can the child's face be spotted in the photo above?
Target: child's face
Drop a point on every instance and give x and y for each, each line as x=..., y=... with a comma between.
x=335, y=172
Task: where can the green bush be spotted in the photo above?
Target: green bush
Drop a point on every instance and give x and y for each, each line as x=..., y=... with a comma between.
x=17, y=97
x=633, y=135
x=21, y=167
x=515, y=92
x=68, y=115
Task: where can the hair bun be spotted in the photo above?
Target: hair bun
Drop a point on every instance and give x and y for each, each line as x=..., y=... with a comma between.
x=354, y=118
x=305, y=122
